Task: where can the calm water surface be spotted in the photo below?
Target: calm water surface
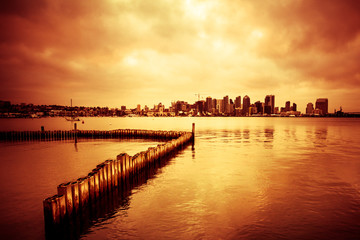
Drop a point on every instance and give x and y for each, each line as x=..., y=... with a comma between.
x=245, y=178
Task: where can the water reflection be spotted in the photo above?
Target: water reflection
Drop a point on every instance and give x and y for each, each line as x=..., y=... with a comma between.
x=76, y=147
x=320, y=134
x=269, y=138
x=116, y=202
x=238, y=136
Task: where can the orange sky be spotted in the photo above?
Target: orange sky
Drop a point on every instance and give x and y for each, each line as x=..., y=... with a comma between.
x=124, y=52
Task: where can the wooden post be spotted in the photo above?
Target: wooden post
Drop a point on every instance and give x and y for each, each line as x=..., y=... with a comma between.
x=65, y=189
x=108, y=168
x=193, y=130
x=52, y=210
x=83, y=191
x=75, y=133
x=75, y=195
x=92, y=190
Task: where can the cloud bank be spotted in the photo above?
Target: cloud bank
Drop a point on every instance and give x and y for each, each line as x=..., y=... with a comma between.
x=113, y=53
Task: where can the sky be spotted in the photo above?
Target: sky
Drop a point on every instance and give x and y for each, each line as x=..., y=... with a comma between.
x=128, y=52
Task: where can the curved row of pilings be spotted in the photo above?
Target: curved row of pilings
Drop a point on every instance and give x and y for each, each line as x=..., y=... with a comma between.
x=90, y=134
x=76, y=197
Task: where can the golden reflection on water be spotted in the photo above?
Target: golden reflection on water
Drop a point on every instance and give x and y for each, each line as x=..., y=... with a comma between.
x=249, y=178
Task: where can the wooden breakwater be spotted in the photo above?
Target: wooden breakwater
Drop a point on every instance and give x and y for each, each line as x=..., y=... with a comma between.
x=54, y=135
x=77, y=196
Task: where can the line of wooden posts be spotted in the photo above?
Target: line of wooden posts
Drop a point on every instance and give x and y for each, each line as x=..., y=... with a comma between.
x=73, y=134
x=75, y=196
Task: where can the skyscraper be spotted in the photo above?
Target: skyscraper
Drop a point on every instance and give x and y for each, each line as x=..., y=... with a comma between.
x=226, y=108
x=270, y=101
x=220, y=105
x=209, y=104
x=214, y=105
x=246, y=105
x=238, y=102
x=322, y=104
x=259, y=107
x=309, y=108
x=287, y=106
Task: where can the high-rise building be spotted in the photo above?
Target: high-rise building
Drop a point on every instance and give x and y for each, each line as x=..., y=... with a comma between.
x=270, y=101
x=259, y=107
x=287, y=106
x=246, y=105
x=209, y=104
x=214, y=105
x=309, y=108
x=294, y=107
x=220, y=105
x=322, y=104
x=226, y=103
x=267, y=109
x=138, y=108
x=238, y=102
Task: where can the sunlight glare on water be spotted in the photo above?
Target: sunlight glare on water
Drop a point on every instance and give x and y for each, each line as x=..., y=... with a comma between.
x=245, y=178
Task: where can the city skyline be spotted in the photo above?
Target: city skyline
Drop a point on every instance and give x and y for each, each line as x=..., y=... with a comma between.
x=209, y=107
x=123, y=52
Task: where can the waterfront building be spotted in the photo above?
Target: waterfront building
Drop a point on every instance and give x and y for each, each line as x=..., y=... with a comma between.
x=226, y=107
x=276, y=110
x=322, y=104
x=209, y=104
x=270, y=101
x=309, y=108
x=267, y=109
x=259, y=107
x=219, y=105
x=287, y=106
x=246, y=105
x=238, y=102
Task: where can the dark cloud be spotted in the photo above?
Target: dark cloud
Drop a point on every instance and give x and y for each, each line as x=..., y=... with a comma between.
x=130, y=50
x=321, y=39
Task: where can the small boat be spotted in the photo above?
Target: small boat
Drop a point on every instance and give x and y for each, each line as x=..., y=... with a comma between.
x=72, y=118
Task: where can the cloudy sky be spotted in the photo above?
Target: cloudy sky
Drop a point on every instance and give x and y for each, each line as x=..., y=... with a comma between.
x=125, y=52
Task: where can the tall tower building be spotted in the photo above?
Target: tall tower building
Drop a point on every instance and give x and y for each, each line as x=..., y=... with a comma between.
x=287, y=106
x=226, y=104
x=238, y=102
x=209, y=104
x=259, y=107
x=214, y=104
x=246, y=105
x=220, y=105
x=270, y=101
x=309, y=108
x=322, y=104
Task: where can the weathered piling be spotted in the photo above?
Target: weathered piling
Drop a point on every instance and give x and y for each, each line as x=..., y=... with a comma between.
x=123, y=172
x=66, y=190
x=75, y=132
x=52, y=210
x=91, y=180
x=83, y=192
x=75, y=195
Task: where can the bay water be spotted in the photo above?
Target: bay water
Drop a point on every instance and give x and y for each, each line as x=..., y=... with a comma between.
x=244, y=178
